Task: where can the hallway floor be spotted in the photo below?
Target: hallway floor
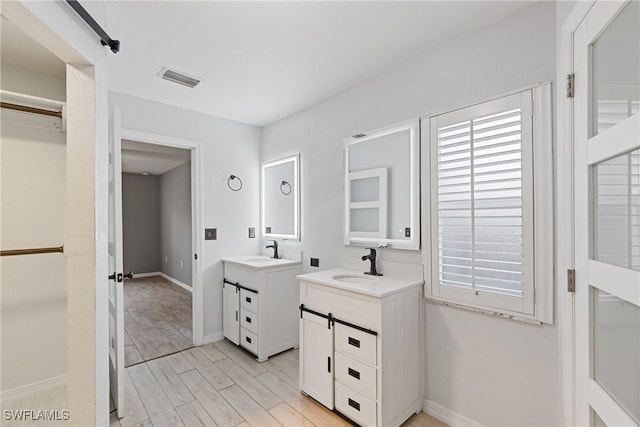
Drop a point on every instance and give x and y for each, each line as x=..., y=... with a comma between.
x=221, y=384
x=157, y=319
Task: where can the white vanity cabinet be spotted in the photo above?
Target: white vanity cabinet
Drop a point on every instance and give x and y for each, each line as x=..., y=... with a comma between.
x=260, y=304
x=371, y=334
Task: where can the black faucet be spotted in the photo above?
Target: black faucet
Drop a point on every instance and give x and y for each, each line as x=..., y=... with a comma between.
x=371, y=257
x=274, y=245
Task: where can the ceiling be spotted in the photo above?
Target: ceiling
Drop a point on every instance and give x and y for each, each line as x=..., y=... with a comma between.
x=138, y=157
x=262, y=61
x=21, y=50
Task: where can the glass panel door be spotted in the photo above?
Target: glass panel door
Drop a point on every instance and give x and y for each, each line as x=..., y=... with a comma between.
x=607, y=214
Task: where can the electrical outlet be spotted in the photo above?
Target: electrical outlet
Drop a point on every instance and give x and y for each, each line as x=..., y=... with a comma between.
x=180, y=263
x=210, y=234
x=252, y=232
x=315, y=262
x=166, y=258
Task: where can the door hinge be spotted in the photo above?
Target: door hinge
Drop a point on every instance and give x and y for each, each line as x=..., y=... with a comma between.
x=570, y=85
x=571, y=281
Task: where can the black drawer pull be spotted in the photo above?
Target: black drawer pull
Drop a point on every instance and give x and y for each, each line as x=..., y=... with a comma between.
x=248, y=319
x=329, y=364
x=354, y=342
x=247, y=299
x=355, y=374
x=248, y=339
x=354, y=404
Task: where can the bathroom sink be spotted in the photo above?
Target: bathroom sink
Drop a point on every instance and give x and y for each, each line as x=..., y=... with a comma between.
x=355, y=278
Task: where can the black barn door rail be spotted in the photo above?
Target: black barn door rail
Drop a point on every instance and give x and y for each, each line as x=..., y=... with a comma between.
x=114, y=45
x=333, y=319
x=240, y=286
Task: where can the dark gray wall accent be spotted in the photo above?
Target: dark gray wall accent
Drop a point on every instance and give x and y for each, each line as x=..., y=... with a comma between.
x=141, y=223
x=175, y=223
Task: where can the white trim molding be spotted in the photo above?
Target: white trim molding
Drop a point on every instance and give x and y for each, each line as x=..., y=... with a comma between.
x=447, y=416
x=208, y=339
x=141, y=275
x=176, y=282
x=34, y=388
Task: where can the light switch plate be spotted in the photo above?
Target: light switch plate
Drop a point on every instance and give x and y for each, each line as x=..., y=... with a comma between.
x=210, y=234
x=252, y=232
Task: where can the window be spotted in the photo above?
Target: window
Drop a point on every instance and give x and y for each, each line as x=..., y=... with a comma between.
x=491, y=206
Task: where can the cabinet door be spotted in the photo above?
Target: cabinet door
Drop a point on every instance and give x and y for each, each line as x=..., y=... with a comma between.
x=316, y=358
x=231, y=313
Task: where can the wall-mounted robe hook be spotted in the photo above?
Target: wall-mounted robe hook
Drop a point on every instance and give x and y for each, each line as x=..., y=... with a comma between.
x=285, y=188
x=235, y=187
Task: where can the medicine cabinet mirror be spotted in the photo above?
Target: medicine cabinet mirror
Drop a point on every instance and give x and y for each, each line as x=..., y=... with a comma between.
x=281, y=198
x=382, y=187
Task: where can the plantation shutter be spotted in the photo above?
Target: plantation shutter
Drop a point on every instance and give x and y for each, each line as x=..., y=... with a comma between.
x=482, y=174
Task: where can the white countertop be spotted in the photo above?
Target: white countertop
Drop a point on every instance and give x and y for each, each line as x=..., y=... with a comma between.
x=375, y=286
x=260, y=262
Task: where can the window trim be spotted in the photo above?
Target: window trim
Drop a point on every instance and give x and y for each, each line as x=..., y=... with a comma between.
x=540, y=296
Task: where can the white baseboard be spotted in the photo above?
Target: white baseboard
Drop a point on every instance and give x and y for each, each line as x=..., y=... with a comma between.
x=140, y=275
x=177, y=282
x=34, y=388
x=213, y=338
x=447, y=416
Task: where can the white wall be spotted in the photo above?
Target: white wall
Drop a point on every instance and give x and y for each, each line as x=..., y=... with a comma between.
x=493, y=371
x=34, y=291
x=227, y=148
x=175, y=223
x=29, y=82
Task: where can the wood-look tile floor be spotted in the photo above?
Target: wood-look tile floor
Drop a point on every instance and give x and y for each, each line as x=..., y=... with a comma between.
x=222, y=385
x=157, y=319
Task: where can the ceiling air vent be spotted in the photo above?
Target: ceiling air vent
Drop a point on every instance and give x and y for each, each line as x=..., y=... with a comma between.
x=178, y=77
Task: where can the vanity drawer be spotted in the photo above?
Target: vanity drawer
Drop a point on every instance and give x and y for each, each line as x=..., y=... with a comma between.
x=355, y=374
x=249, y=300
x=249, y=321
x=358, y=344
x=249, y=340
x=355, y=405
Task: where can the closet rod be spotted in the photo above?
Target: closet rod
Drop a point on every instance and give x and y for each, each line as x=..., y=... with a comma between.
x=33, y=110
x=32, y=251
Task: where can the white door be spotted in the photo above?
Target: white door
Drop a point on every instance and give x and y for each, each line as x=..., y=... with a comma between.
x=607, y=218
x=231, y=313
x=316, y=358
x=116, y=307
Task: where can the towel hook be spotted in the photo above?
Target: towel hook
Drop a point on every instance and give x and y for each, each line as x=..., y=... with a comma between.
x=283, y=187
x=233, y=178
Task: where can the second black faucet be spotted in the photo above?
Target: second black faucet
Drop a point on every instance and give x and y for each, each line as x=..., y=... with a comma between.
x=274, y=245
x=371, y=257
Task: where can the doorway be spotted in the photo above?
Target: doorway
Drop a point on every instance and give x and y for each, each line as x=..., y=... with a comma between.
x=158, y=250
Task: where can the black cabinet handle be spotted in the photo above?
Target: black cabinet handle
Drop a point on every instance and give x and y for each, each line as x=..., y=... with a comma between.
x=236, y=315
x=329, y=364
x=354, y=342
x=354, y=404
x=355, y=374
x=247, y=299
x=248, y=339
x=248, y=319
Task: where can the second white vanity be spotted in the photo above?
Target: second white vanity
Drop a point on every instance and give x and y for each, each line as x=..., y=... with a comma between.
x=360, y=344
x=260, y=299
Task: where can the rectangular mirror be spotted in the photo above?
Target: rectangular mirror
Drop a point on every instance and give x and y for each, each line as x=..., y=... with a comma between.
x=281, y=198
x=382, y=187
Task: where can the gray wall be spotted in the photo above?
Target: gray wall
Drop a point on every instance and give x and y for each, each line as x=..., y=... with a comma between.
x=141, y=223
x=175, y=223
